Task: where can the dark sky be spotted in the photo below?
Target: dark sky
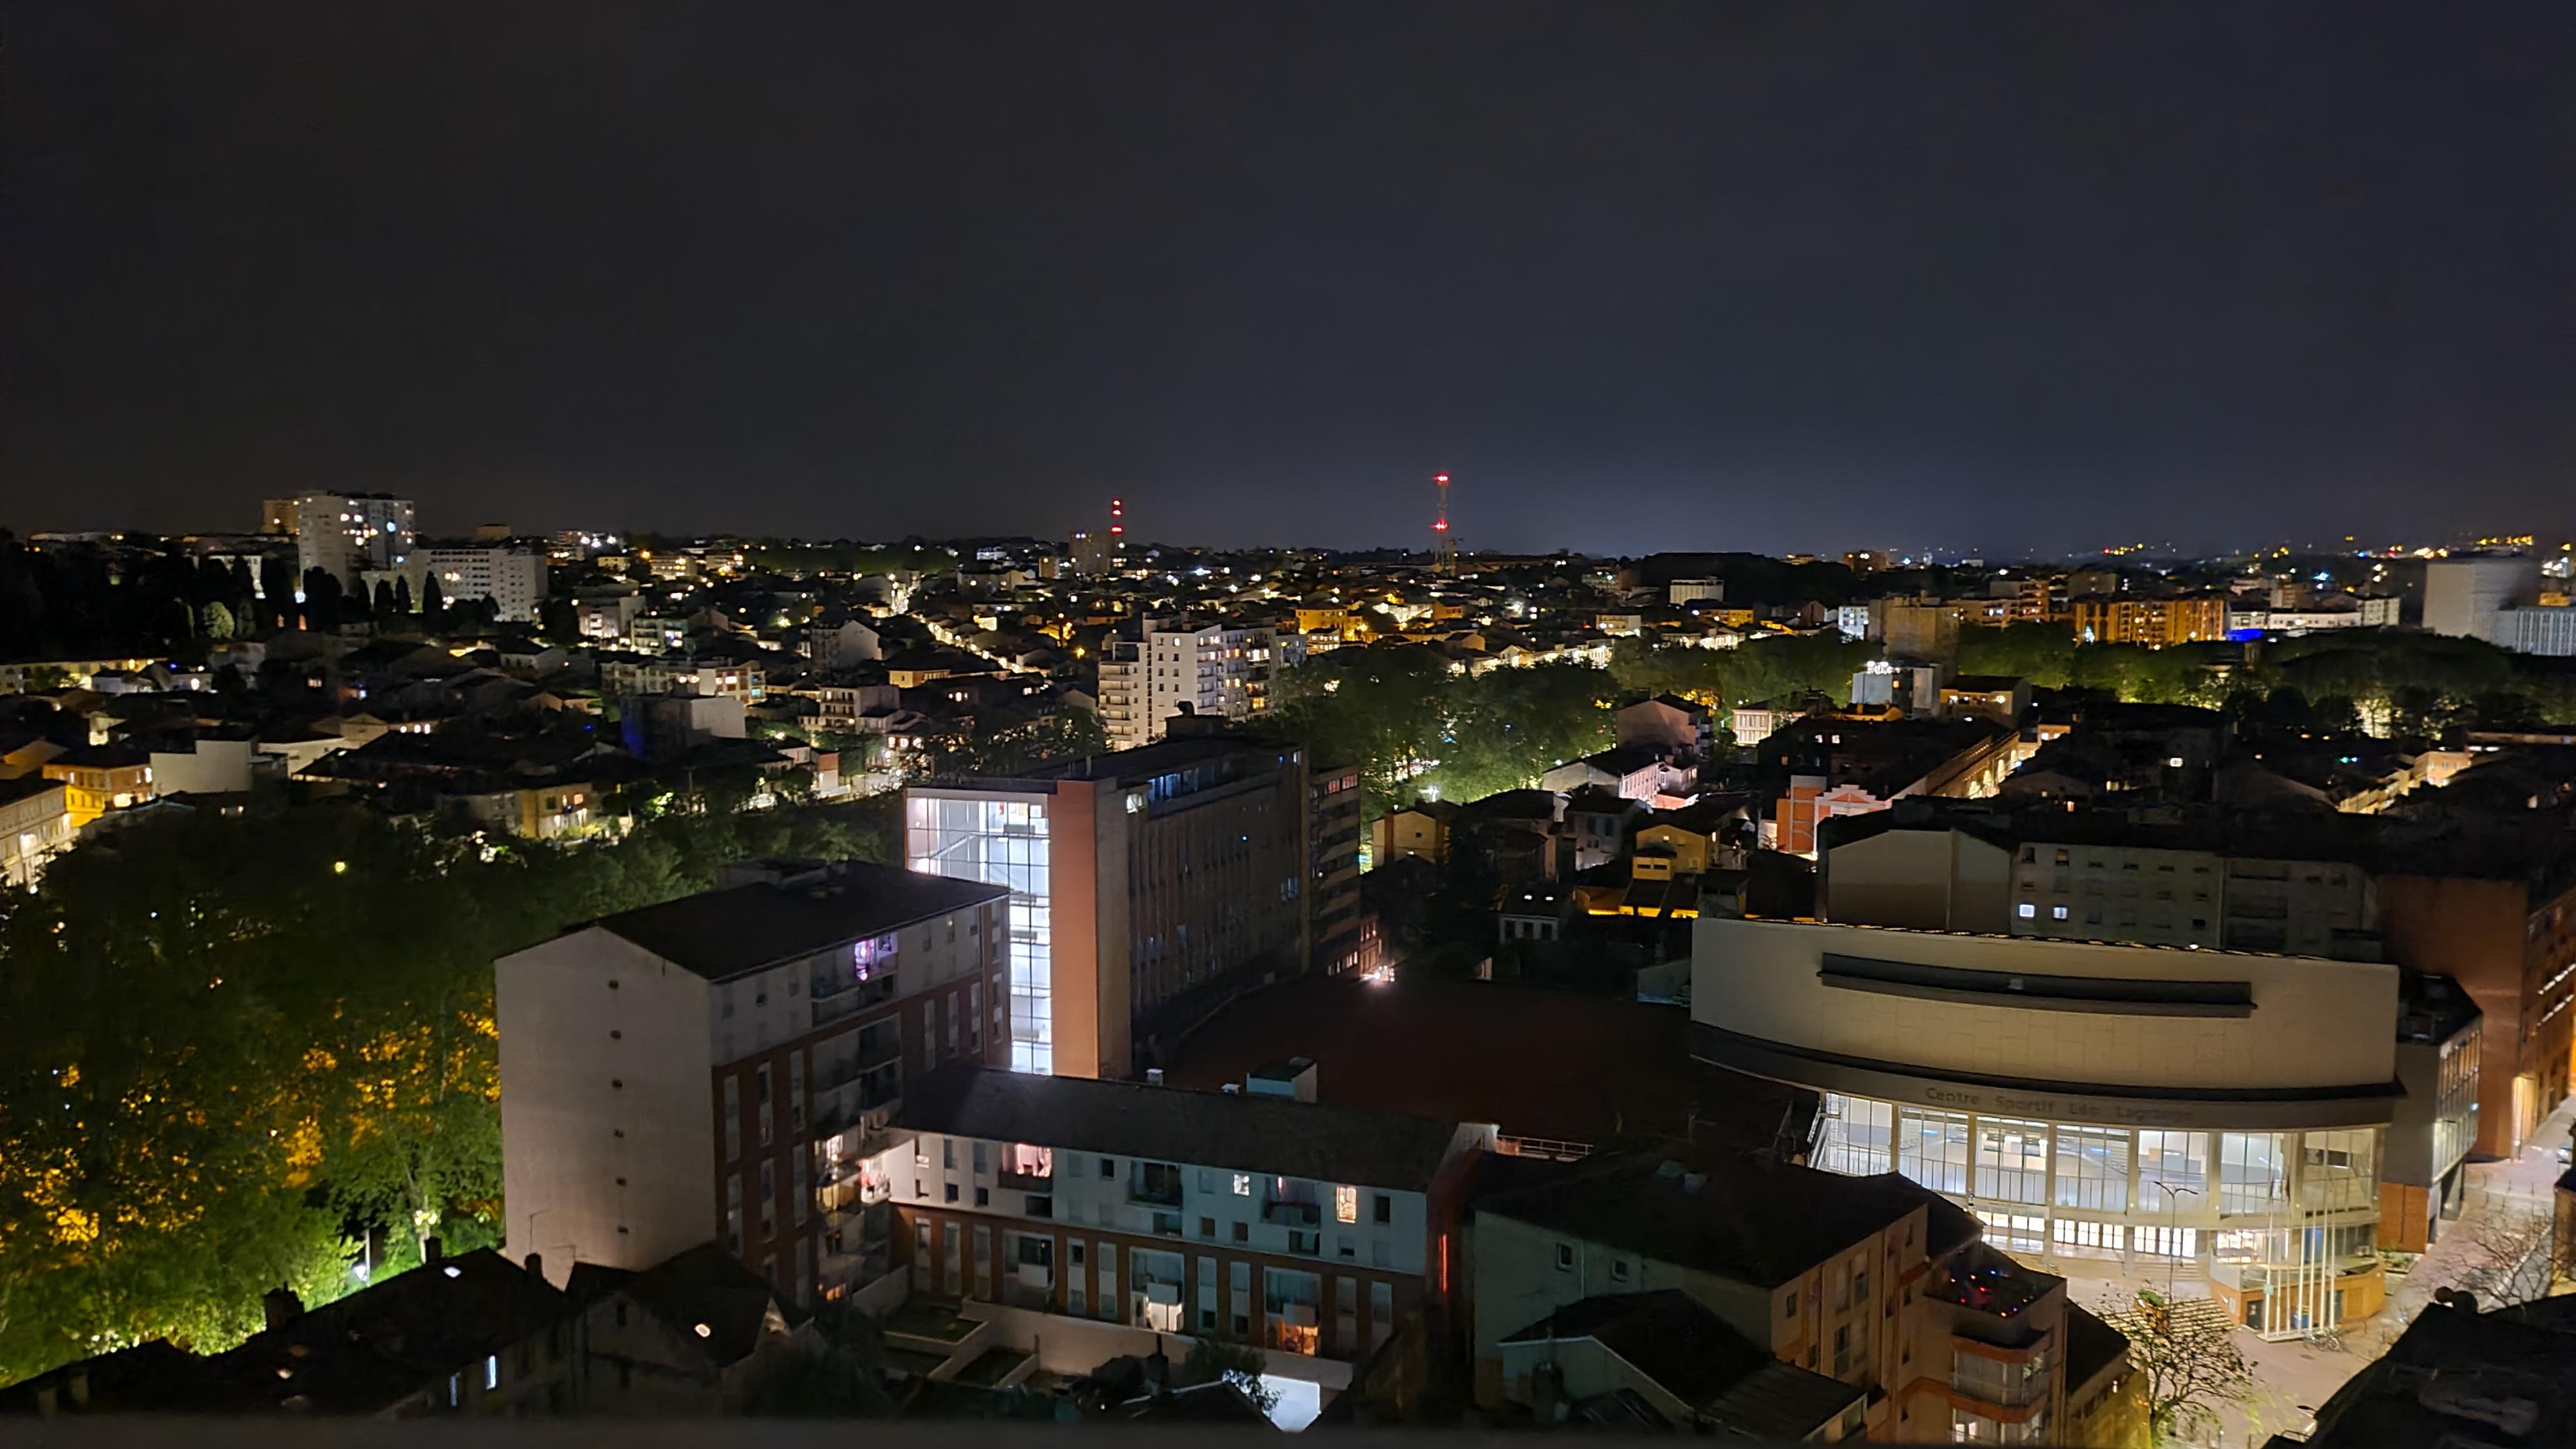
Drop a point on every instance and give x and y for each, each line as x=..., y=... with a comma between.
x=1702, y=275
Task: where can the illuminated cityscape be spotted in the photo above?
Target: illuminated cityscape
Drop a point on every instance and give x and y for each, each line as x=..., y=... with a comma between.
x=775, y=724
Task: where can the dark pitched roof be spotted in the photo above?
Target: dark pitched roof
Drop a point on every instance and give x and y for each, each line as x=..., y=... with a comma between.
x=370, y=1350
x=1238, y=1130
x=2091, y=1346
x=2458, y=1377
x=700, y=1285
x=1695, y=1356
x=721, y=934
x=1750, y=1220
x=149, y=1378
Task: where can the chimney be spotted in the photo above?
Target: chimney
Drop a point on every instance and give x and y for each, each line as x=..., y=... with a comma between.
x=536, y=1265
x=282, y=1306
x=432, y=1250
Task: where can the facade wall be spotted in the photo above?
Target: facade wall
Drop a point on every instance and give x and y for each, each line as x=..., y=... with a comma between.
x=2316, y=1023
x=34, y=828
x=2513, y=957
x=604, y=1129
x=1180, y=1248
x=1925, y=880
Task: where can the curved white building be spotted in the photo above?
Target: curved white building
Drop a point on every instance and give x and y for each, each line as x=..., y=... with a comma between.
x=2196, y=1111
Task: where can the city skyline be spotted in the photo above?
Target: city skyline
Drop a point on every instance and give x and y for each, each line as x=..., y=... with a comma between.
x=2021, y=283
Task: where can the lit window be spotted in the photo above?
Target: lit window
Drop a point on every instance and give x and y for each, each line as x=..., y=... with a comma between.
x=1243, y=1184
x=1346, y=1204
x=491, y=1371
x=2057, y=913
x=2026, y=911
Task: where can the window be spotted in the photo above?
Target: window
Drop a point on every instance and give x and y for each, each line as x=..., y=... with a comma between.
x=1565, y=1257
x=2338, y=1169
x=491, y=1372
x=768, y=1200
x=1108, y=1168
x=1243, y=1232
x=2027, y=911
x=982, y=1162
x=2172, y=1166
x=2057, y=913
x=1382, y=1208
x=1789, y=1304
x=2093, y=1168
x=948, y=1153
x=2012, y=1160
x=1932, y=1148
x=733, y=1213
x=1346, y=1204
x=1618, y=1270
x=949, y=1190
x=733, y=1117
x=1243, y=1184
x=1856, y=1133
x=2253, y=1172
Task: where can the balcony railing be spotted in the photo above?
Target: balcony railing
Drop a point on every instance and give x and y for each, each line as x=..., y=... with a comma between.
x=1292, y=1214
x=2001, y=1385
x=1025, y=1181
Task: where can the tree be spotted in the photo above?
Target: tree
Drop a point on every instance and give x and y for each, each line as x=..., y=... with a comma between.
x=2509, y=1252
x=402, y=594
x=2186, y=1357
x=321, y=600
x=218, y=620
x=1212, y=1358
x=433, y=605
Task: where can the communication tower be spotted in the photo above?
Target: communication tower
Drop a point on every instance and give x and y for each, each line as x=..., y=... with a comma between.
x=1444, y=550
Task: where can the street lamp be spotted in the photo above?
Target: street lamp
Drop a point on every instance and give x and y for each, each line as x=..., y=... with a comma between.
x=2173, y=1238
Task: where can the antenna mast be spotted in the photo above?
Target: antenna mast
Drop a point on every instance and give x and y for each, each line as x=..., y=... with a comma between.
x=1444, y=550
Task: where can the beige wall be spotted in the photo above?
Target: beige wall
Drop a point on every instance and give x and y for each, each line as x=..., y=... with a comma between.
x=1925, y=880
x=2315, y=1023
x=569, y=1131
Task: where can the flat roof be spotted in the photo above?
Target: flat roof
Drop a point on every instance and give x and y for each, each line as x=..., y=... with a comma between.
x=1245, y=1131
x=720, y=934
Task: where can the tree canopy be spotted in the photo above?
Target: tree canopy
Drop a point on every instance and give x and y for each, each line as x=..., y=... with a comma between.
x=232, y=1050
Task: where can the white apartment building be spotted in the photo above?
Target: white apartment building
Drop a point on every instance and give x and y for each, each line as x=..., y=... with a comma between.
x=1210, y=669
x=513, y=579
x=695, y=1071
x=2469, y=596
x=35, y=826
x=348, y=534
x=1311, y=1232
x=2540, y=629
x=2197, y=898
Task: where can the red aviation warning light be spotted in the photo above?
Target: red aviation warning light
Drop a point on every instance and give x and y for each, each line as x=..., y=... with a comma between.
x=1444, y=554
x=1117, y=516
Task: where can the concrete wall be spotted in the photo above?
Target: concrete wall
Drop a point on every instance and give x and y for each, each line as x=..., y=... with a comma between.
x=607, y=1143
x=1925, y=880
x=2315, y=1023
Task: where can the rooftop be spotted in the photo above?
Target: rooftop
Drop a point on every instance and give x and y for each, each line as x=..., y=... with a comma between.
x=1752, y=1220
x=1536, y=1062
x=723, y=933
x=1236, y=1130
x=1691, y=1352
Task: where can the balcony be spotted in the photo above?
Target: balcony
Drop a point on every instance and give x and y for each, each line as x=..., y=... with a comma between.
x=837, y=996
x=1039, y=1182
x=1287, y=1212
x=2000, y=1385
x=1155, y=1185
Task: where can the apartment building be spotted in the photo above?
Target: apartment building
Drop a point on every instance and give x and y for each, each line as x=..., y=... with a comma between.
x=2109, y=891
x=35, y=826
x=2509, y=940
x=346, y=534
x=2102, y=877
x=2471, y=596
x=1314, y=1233
x=1146, y=886
x=514, y=579
x=694, y=1071
x=2217, y=1116
x=2440, y=1040
x=100, y=778
x=1787, y=1303
x=2155, y=623
x=1175, y=667
x=1334, y=852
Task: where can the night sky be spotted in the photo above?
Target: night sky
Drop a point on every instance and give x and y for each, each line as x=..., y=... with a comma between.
x=1704, y=275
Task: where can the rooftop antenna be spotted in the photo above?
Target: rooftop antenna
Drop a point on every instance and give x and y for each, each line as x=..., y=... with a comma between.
x=1444, y=549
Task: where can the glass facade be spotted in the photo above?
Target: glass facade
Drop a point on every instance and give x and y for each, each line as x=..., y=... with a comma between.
x=1000, y=840
x=2086, y=1190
